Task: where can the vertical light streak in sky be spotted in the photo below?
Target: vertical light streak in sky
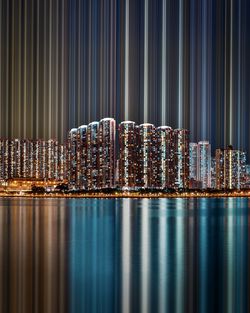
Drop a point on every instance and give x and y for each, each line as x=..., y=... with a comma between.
x=56, y=73
x=1, y=75
x=145, y=256
x=145, y=98
x=12, y=67
x=78, y=67
x=239, y=133
x=63, y=97
x=37, y=70
x=204, y=72
x=17, y=117
x=226, y=96
x=163, y=269
x=24, y=130
x=8, y=80
x=44, y=75
x=231, y=129
x=89, y=64
x=164, y=63
x=180, y=67
x=50, y=69
x=126, y=255
x=126, y=92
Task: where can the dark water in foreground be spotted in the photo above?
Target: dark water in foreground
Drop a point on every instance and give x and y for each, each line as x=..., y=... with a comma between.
x=124, y=255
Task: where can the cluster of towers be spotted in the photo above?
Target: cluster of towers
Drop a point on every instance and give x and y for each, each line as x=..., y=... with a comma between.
x=32, y=159
x=144, y=156
x=137, y=157
x=225, y=171
x=148, y=157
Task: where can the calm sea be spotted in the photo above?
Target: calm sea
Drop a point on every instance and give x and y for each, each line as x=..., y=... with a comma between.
x=124, y=255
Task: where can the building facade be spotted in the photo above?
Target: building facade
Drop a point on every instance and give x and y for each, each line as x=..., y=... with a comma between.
x=107, y=157
x=164, y=158
x=181, y=159
x=204, y=164
x=127, y=163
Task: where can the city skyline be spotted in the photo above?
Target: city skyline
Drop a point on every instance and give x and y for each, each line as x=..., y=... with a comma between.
x=101, y=156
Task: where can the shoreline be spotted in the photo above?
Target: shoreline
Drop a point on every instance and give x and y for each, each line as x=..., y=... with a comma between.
x=132, y=195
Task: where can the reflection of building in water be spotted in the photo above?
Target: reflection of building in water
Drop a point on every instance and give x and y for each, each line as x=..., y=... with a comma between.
x=33, y=256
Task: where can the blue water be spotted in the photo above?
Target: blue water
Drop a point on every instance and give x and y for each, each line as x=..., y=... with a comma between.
x=124, y=255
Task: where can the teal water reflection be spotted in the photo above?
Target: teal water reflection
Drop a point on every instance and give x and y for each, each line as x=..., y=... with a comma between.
x=124, y=255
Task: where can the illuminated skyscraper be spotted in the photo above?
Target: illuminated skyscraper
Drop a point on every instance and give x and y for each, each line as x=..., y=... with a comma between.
x=25, y=159
x=93, y=156
x=181, y=159
x=164, y=157
x=51, y=156
x=72, y=158
x=62, y=162
x=107, y=163
x=127, y=155
x=146, y=156
x=82, y=157
x=213, y=173
x=204, y=164
x=1, y=159
x=193, y=160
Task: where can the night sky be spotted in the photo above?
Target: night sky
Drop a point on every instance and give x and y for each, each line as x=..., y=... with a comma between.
x=182, y=63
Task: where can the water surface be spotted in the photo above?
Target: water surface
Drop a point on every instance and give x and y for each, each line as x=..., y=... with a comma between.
x=124, y=255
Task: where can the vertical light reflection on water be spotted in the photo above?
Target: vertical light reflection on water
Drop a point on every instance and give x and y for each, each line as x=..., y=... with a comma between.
x=145, y=256
x=203, y=256
x=126, y=254
x=2, y=248
x=241, y=251
x=31, y=256
x=190, y=255
x=163, y=265
x=180, y=257
x=77, y=258
x=92, y=256
x=229, y=242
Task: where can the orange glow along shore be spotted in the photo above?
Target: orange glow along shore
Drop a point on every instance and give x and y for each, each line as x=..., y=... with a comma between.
x=136, y=195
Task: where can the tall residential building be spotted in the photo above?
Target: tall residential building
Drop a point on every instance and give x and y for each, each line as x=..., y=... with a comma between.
x=213, y=173
x=164, y=157
x=107, y=161
x=193, y=160
x=62, y=162
x=181, y=159
x=230, y=168
x=146, y=156
x=204, y=164
x=93, y=156
x=127, y=155
x=72, y=158
x=1, y=159
x=25, y=159
x=82, y=157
